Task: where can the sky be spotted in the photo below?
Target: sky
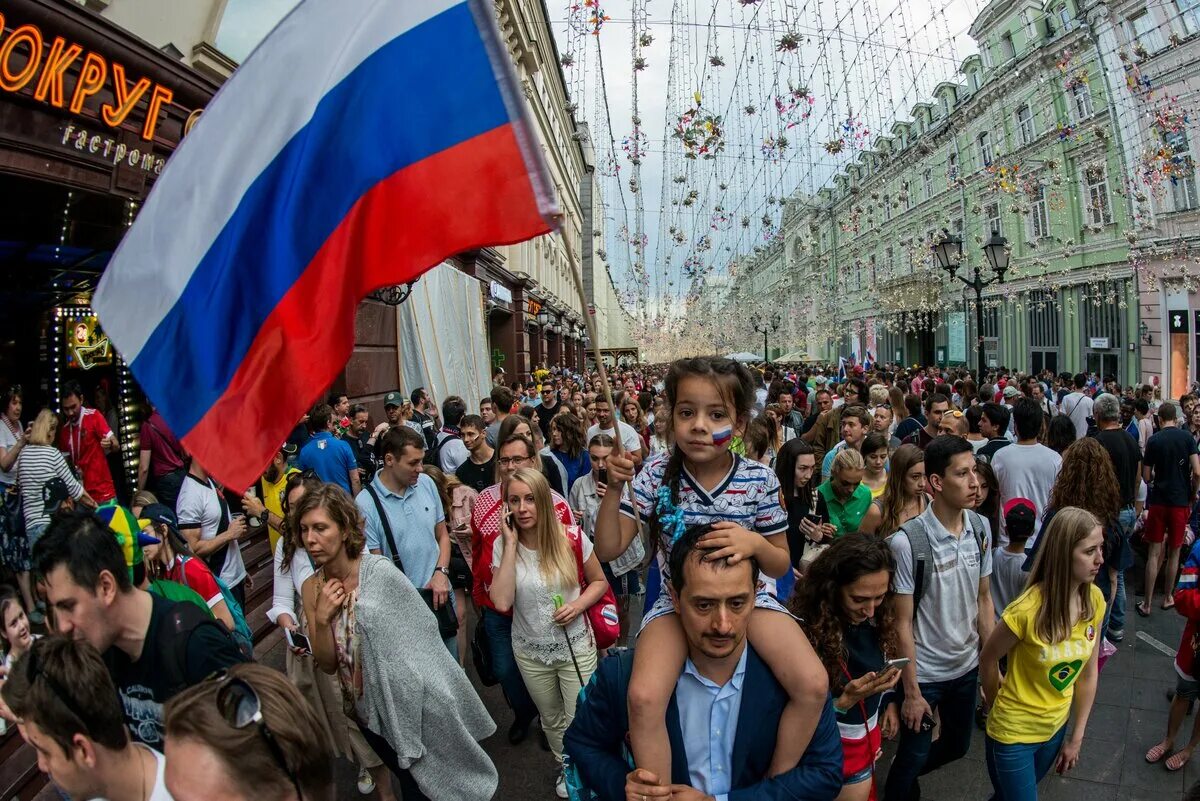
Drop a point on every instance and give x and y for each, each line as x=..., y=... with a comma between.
x=811, y=72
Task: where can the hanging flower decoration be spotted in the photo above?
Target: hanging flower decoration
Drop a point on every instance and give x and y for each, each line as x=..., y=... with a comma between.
x=609, y=167
x=635, y=146
x=716, y=60
x=598, y=17
x=1078, y=79
x=1094, y=173
x=700, y=132
x=750, y=110
x=1064, y=62
x=747, y=2
x=788, y=43
x=1002, y=178
x=567, y=59
x=721, y=220
x=1137, y=83
x=1170, y=118
x=692, y=196
x=834, y=146
x=855, y=131
x=639, y=64
x=646, y=39
x=794, y=107
x=704, y=243
x=774, y=148
x=680, y=179
x=692, y=265
x=1065, y=131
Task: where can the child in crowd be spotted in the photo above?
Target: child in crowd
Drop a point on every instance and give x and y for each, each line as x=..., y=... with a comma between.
x=1008, y=577
x=702, y=481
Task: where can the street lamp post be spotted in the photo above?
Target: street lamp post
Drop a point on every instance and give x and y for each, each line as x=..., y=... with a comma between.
x=768, y=327
x=948, y=250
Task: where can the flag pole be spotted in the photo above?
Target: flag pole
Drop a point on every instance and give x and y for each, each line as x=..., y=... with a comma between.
x=590, y=321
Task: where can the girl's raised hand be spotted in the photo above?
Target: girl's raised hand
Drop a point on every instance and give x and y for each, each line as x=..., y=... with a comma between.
x=728, y=540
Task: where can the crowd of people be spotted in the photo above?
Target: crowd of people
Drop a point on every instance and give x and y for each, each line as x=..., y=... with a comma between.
x=715, y=581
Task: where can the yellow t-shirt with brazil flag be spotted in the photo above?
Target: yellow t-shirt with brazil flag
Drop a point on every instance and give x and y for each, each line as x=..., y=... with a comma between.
x=1034, y=700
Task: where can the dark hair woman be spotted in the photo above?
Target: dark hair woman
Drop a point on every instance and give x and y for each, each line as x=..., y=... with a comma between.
x=796, y=469
x=845, y=605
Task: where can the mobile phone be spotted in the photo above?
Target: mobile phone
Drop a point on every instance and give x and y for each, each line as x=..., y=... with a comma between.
x=898, y=664
x=297, y=640
x=602, y=475
x=508, y=517
x=926, y=722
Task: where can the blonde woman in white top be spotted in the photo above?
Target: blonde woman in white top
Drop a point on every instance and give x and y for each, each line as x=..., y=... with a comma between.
x=536, y=577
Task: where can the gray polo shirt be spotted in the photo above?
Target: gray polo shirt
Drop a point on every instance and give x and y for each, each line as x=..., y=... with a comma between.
x=945, y=630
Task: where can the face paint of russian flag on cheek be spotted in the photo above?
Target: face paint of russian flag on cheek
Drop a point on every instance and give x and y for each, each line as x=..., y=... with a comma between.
x=722, y=436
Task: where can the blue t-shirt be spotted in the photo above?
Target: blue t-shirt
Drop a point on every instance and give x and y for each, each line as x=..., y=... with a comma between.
x=413, y=517
x=331, y=458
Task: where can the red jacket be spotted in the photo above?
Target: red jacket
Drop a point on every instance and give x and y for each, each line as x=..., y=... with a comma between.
x=1187, y=603
x=485, y=528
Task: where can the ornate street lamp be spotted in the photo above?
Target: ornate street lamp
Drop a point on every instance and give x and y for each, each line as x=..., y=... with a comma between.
x=766, y=327
x=948, y=252
x=393, y=295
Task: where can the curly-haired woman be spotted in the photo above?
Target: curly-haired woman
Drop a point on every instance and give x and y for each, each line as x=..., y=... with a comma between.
x=845, y=605
x=1088, y=481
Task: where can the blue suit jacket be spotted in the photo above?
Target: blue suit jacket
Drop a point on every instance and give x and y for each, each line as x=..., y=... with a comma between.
x=594, y=740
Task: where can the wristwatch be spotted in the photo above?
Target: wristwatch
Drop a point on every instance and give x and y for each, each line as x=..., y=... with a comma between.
x=445, y=571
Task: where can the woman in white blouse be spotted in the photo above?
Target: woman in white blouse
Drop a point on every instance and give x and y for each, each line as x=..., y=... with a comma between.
x=536, y=567
x=292, y=569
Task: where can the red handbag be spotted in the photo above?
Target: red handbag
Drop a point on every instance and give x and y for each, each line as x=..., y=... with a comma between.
x=602, y=615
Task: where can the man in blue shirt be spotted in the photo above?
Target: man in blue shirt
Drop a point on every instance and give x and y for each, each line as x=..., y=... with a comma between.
x=724, y=716
x=415, y=516
x=331, y=458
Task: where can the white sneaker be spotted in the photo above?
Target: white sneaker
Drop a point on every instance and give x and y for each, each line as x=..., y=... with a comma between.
x=366, y=785
x=560, y=785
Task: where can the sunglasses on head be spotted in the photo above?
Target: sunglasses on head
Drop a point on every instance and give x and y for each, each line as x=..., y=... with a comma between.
x=239, y=706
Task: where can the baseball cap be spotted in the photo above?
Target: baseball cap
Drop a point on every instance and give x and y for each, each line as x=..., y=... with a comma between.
x=128, y=531
x=289, y=449
x=820, y=380
x=1011, y=392
x=54, y=492
x=393, y=399
x=159, y=513
x=1020, y=513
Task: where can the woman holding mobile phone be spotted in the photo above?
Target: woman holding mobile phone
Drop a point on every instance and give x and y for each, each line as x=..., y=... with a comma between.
x=795, y=467
x=845, y=605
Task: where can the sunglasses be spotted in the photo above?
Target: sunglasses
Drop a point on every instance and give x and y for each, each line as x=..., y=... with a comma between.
x=239, y=705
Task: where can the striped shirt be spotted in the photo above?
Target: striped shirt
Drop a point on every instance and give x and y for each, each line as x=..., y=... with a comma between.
x=749, y=495
x=37, y=464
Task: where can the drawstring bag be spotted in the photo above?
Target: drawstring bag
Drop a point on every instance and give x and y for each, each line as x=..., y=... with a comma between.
x=602, y=615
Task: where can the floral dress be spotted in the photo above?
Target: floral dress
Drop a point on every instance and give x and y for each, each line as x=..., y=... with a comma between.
x=346, y=648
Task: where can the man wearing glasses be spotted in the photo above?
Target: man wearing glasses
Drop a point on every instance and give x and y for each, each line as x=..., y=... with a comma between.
x=549, y=407
x=62, y=693
x=512, y=454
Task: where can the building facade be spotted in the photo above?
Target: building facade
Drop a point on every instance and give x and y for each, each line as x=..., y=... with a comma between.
x=1051, y=139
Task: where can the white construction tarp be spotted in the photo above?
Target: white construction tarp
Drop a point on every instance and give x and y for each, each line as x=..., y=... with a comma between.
x=442, y=339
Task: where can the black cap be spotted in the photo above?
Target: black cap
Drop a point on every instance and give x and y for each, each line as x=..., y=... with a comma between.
x=289, y=449
x=54, y=492
x=160, y=513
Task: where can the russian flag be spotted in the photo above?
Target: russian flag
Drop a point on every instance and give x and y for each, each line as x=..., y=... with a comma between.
x=363, y=142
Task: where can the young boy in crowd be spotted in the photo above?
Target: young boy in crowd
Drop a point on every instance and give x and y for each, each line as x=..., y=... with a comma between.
x=1008, y=577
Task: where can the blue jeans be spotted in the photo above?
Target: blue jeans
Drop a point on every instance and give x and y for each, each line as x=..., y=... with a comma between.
x=1116, y=618
x=504, y=665
x=1015, y=770
x=917, y=754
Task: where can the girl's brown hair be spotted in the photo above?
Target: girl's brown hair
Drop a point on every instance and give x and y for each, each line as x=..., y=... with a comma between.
x=341, y=509
x=893, y=501
x=443, y=486
x=1087, y=480
x=1052, y=574
x=301, y=734
x=291, y=540
x=570, y=427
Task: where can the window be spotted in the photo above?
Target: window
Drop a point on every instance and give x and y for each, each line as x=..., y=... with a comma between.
x=985, y=149
x=952, y=166
x=1099, y=210
x=975, y=78
x=1025, y=124
x=1143, y=31
x=1065, y=19
x=992, y=213
x=1189, y=12
x=986, y=53
x=872, y=276
x=1183, y=186
x=1081, y=101
x=1008, y=50
x=908, y=199
x=945, y=107
x=1039, y=218
x=890, y=264
x=1030, y=26
x=887, y=208
x=927, y=182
